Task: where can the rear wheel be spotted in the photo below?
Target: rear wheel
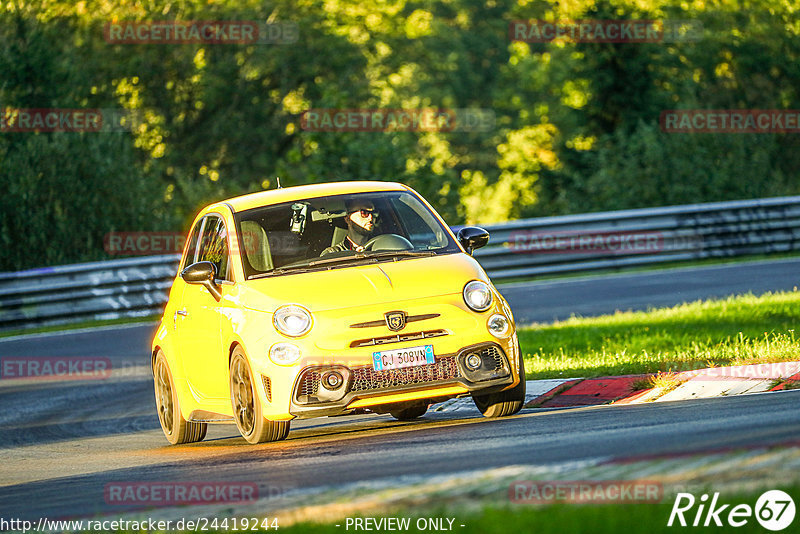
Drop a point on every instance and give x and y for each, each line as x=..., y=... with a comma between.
x=408, y=413
x=506, y=402
x=247, y=410
x=176, y=429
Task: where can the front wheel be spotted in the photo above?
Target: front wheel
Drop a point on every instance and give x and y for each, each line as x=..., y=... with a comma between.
x=176, y=429
x=247, y=410
x=506, y=402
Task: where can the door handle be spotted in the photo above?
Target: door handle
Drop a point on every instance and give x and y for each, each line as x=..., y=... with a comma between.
x=182, y=313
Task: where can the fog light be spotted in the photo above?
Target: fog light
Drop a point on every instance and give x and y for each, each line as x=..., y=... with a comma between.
x=498, y=325
x=332, y=380
x=473, y=361
x=284, y=353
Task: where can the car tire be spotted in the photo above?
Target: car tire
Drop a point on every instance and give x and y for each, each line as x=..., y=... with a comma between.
x=504, y=403
x=410, y=412
x=176, y=429
x=247, y=409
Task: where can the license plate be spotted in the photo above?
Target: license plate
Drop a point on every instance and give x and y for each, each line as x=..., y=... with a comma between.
x=399, y=358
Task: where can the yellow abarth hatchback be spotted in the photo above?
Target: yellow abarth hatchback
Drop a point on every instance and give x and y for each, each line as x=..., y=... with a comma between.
x=326, y=300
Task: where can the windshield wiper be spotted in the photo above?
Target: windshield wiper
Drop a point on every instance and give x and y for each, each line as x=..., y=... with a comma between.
x=310, y=266
x=409, y=253
x=368, y=255
x=345, y=259
x=358, y=256
x=279, y=270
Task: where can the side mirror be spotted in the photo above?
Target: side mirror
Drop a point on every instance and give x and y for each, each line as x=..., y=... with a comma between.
x=203, y=273
x=472, y=237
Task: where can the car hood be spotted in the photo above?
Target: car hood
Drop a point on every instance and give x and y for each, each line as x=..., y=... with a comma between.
x=364, y=285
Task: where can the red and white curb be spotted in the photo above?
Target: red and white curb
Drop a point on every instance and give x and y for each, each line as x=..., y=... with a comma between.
x=697, y=384
x=725, y=381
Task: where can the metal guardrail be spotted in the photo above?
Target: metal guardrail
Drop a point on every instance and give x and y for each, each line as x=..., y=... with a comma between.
x=670, y=234
x=86, y=291
x=518, y=249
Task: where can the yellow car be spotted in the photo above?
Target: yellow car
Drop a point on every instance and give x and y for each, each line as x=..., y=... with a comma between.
x=324, y=300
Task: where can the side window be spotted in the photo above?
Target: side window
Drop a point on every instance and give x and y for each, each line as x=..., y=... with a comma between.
x=419, y=224
x=191, y=250
x=214, y=246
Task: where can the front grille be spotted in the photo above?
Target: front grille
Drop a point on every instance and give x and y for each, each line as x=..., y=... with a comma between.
x=494, y=364
x=397, y=338
x=494, y=354
x=267, y=387
x=367, y=378
x=309, y=385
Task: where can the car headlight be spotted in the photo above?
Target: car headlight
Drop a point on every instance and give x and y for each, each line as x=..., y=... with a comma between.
x=498, y=325
x=478, y=296
x=292, y=320
x=284, y=353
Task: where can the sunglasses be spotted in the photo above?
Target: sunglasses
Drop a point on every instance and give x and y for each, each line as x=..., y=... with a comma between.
x=367, y=213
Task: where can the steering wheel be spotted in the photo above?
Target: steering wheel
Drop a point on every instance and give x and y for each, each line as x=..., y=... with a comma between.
x=388, y=242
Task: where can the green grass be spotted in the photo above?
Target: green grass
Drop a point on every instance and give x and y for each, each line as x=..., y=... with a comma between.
x=572, y=519
x=791, y=384
x=664, y=381
x=734, y=331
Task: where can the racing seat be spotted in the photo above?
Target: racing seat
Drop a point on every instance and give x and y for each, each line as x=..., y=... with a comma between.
x=256, y=246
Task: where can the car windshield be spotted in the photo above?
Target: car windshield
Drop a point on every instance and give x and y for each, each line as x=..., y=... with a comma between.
x=336, y=231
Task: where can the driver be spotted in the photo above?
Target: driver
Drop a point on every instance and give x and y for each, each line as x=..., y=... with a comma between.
x=360, y=220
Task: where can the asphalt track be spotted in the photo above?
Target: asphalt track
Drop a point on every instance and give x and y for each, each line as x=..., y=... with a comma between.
x=330, y=455
x=61, y=443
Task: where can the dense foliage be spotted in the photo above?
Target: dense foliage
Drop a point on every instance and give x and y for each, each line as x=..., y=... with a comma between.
x=576, y=123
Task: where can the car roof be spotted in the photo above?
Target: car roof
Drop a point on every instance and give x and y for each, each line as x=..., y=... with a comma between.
x=288, y=194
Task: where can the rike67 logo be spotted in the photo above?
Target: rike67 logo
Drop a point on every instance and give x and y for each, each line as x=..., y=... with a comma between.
x=774, y=510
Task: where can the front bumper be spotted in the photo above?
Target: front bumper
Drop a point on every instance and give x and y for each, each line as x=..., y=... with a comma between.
x=363, y=386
